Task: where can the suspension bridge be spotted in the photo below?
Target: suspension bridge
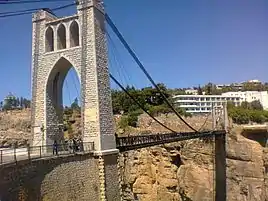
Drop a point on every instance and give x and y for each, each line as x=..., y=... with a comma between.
x=79, y=41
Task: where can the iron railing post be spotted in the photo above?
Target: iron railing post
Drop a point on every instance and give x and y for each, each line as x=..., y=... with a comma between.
x=1, y=156
x=15, y=158
x=40, y=154
x=28, y=151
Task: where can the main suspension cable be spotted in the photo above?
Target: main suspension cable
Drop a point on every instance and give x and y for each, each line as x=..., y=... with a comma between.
x=114, y=79
x=29, y=11
x=123, y=41
x=29, y=1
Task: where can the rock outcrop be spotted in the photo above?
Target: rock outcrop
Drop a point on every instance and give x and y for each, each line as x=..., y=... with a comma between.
x=176, y=171
x=15, y=127
x=185, y=170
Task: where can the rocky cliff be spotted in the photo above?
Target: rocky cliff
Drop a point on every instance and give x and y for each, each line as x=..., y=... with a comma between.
x=177, y=171
x=15, y=127
x=185, y=170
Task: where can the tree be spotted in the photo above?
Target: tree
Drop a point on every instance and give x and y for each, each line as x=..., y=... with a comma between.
x=74, y=105
x=21, y=102
x=199, y=90
x=7, y=105
x=256, y=105
x=209, y=89
x=245, y=105
x=18, y=102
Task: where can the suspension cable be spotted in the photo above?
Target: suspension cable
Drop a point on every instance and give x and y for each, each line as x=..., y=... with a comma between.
x=29, y=11
x=122, y=67
x=74, y=83
x=20, y=11
x=117, y=60
x=114, y=79
x=113, y=60
x=69, y=95
x=123, y=41
x=28, y=1
x=203, y=125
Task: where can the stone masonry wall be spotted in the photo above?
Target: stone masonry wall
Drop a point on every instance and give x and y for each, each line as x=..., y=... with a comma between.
x=44, y=63
x=97, y=108
x=91, y=63
x=62, y=178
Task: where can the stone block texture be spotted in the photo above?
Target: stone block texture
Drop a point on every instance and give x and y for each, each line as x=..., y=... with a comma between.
x=111, y=172
x=63, y=178
x=49, y=68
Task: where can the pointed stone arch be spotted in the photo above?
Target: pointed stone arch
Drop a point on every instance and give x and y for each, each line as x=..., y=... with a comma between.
x=74, y=34
x=54, y=99
x=49, y=39
x=61, y=35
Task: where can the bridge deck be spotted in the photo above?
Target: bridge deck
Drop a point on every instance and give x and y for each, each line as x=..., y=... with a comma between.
x=9, y=155
x=141, y=141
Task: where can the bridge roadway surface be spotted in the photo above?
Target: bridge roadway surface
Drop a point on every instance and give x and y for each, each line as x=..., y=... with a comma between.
x=141, y=141
x=8, y=155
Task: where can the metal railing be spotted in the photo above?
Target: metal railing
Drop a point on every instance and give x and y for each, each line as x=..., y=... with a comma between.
x=9, y=155
x=140, y=141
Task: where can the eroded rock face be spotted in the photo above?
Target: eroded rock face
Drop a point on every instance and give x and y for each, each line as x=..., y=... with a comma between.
x=184, y=171
x=175, y=171
x=15, y=127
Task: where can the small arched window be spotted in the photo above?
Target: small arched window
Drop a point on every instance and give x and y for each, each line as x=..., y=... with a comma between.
x=61, y=37
x=49, y=40
x=74, y=34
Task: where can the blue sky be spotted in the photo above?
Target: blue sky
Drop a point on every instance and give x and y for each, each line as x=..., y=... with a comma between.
x=181, y=43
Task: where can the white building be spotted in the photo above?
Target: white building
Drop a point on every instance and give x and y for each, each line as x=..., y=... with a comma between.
x=250, y=96
x=191, y=91
x=237, y=86
x=203, y=103
x=254, y=81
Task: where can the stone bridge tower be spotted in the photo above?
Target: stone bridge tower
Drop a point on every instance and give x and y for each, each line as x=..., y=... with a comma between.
x=61, y=43
x=77, y=41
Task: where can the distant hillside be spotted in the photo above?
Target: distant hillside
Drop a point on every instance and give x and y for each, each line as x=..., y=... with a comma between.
x=15, y=126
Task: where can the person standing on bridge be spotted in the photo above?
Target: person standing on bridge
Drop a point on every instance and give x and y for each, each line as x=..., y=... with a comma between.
x=55, y=148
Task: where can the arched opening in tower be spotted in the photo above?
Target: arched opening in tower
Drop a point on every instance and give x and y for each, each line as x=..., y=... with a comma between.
x=63, y=105
x=72, y=106
x=74, y=34
x=49, y=40
x=61, y=32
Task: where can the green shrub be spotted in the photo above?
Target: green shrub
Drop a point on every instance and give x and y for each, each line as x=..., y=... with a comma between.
x=123, y=123
x=132, y=120
x=239, y=115
x=133, y=117
x=257, y=116
x=242, y=115
x=159, y=109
